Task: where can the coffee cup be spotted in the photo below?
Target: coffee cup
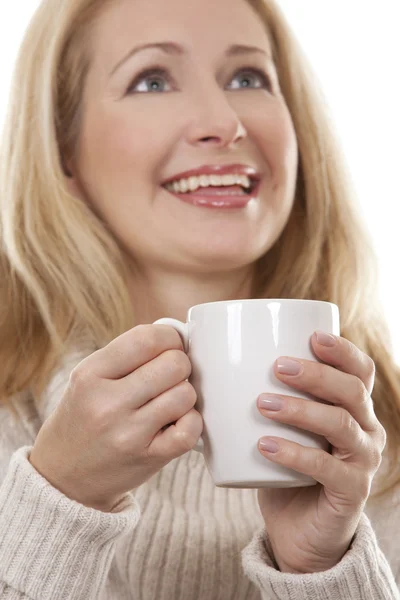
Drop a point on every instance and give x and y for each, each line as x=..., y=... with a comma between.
x=232, y=346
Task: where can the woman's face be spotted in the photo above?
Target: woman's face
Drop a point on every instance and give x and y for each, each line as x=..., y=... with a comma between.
x=208, y=99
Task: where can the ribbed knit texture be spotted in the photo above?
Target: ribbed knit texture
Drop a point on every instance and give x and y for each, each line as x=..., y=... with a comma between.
x=176, y=537
x=50, y=532
x=362, y=573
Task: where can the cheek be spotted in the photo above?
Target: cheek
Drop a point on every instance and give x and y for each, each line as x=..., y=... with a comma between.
x=127, y=142
x=275, y=138
x=116, y=159
x=116, y=145
x=114, y=138
x=283, y=158
x=278, y=144
x=289, y=151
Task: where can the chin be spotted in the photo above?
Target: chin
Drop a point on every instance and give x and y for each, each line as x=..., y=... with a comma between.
x=219, y=259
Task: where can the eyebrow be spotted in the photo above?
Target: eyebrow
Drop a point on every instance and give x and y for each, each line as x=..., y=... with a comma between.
x=177, y=49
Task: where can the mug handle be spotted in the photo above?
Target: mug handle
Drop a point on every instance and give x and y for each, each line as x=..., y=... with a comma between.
x=183, y=330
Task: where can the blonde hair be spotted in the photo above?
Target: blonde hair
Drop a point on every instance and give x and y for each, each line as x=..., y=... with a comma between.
x=62, y=274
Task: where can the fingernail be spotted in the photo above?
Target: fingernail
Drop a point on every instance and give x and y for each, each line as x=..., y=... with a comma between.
x=268, y=445
x=287, y=366
x=325, y=339
x=270, y=402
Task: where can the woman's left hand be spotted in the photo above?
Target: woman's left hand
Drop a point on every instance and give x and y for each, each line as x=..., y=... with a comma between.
x=311, y=528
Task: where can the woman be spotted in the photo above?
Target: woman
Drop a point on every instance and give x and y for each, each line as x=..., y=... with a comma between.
x=101, y=494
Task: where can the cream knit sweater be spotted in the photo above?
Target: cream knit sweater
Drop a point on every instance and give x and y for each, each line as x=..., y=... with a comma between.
x=177, y=537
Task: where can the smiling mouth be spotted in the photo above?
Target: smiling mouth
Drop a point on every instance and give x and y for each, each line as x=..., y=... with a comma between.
x=225, y=190
x=228, y=196
x=214, y=184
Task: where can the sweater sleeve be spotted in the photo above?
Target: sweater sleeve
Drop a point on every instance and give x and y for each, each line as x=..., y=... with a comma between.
x=51, y=546
x=362, y=574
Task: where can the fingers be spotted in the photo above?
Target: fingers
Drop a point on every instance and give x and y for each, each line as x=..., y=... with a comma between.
x=334, y=423
x=340, y=478
x=346, y=357
x=131, y=350
x=155, y=377
x=167, y=408
x=178, y=438
x=330, y=384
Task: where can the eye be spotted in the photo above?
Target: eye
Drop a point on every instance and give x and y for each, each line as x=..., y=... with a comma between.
x=248, y=76
x=158, y=76
x=155, y=76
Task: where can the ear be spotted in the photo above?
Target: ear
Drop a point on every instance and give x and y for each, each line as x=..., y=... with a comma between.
x=71, y=179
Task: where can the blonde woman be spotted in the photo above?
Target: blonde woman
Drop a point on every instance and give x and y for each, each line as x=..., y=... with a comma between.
x=102, y=495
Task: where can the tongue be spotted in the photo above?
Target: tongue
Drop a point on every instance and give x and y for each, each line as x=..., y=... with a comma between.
x=226, y=190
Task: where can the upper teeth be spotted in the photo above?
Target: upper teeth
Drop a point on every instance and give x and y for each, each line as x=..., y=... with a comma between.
x=193, y=183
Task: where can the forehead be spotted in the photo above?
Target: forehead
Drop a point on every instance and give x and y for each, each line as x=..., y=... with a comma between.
x=200, y=25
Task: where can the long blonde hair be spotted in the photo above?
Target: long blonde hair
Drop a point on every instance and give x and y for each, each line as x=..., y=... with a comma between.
x=62, y=275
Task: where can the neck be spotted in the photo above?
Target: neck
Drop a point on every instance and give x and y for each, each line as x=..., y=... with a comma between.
x=157, y=293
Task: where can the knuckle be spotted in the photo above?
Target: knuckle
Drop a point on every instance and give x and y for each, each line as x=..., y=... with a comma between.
x=382, y=435
x=174, y=338
x=188, y=392
x=360, y=390
x=297, y=411
x=347, y=423
x=375, y=457
x=370, y=365
x=353, y=351
x=185, y=438
x=146, y=336
x=185, y=441
x=179, y=363
x=198, y=418
x=379, y=436
x=319, y=380
x=318, y=374
x=80, y=377
x=320, y=461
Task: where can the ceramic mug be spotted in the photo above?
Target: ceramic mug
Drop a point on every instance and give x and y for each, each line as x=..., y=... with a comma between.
x=232, y=346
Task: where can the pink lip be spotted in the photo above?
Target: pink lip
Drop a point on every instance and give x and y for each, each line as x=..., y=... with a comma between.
x=235, y=169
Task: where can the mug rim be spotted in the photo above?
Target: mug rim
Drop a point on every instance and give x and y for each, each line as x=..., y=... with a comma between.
x=247, y=300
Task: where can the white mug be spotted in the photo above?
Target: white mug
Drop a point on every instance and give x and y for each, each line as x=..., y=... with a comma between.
x=232, y=346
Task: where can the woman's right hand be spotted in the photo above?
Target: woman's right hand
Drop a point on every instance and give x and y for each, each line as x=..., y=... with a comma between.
x=106, y=436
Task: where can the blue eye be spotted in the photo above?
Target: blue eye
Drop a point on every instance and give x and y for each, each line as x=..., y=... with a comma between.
x=154, y=75
x=157, y=76
x=247, y=75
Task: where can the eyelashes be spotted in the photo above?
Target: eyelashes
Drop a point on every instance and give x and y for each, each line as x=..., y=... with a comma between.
x=160, y=73
x=266, y=81
x=152, y=72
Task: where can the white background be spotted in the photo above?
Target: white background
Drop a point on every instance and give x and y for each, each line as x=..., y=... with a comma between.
x=354, y=46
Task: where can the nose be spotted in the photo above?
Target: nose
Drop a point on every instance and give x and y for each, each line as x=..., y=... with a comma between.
x=214, y=121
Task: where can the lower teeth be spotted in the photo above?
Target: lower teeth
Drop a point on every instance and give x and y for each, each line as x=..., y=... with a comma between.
x=216, y=192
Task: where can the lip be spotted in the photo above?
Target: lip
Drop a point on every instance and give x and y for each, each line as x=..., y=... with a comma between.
x=233, y=169
x=217, y=201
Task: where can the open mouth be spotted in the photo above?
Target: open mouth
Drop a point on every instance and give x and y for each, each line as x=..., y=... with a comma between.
x=236, y=193
x=214, y=185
